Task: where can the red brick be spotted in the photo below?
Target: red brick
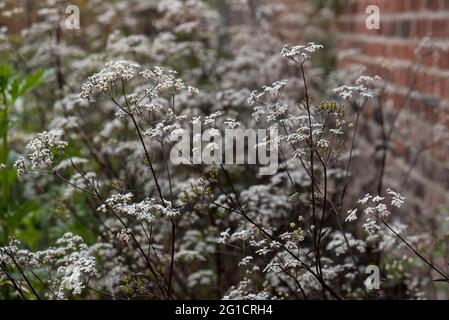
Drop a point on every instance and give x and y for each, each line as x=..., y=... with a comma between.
x=444, y=88
x=415, y=5
x=440, y=28
x=423, y=28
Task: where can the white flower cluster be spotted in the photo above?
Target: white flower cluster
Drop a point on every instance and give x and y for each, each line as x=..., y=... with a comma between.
x=103, y=80
x=376, y=209
x=231, y=123
x=300, y=53
x=23, y=257
x=352, y=215
x=124, y=235
x=245, y=261
x=162, y=130
x=272, y=91
x=70, y=262
x=397, y=199
x=43, y=146
x=21, y=167
x=347, y=92
x=147, y=210
x=42, y=150
x=359, y=90
x=246, y=290
x=77, y=266
x=166, y=81
x=265, y=102
x=313, y=150
x=339, y=245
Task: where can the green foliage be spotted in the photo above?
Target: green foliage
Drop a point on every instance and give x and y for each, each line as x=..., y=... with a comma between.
x=14, y=85
x=13, y=208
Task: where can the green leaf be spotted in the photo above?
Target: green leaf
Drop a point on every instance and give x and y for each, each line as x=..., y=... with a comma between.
x=6, y=72
x=31, y=81
x=21, y=212
x=13, y=91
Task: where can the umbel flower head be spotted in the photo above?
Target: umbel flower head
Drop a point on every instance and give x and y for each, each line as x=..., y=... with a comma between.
x=71, y=263
x=300, y=53
x=360, y=92
x=102, y=81
x=148, y=209
x=42, y=149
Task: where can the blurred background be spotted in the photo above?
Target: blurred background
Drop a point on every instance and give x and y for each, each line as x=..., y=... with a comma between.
x=410, y=51
x=231, y=47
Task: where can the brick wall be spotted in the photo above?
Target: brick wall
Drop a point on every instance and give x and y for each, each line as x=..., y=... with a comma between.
x=390, y=53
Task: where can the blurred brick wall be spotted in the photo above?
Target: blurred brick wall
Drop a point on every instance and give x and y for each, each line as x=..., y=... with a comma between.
x=389, y=53
x=403, y=24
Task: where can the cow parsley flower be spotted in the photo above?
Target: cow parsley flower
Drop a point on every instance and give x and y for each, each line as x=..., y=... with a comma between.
x=77, y=266
x=377, y=199
x=323, y=144
x=224, y=236
x=339, y=246
x=300, y=53
x=162, y=130
x=265, y=102
x=365, y=199
x=21, y=167
x=70, y=263
x=148, y=209
x=271, y=91
x=124, y=235
x=102, y=81
x=371, y=226
x=42, y=149
x=352, y=215
x=231, y=123
x=115, y=201
x=245, y=261
x=376, y=210
x=348, y=92
x=396, y=199
x=192, y=90
x=360, y=91
x=212, y=118
x=166, y=81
